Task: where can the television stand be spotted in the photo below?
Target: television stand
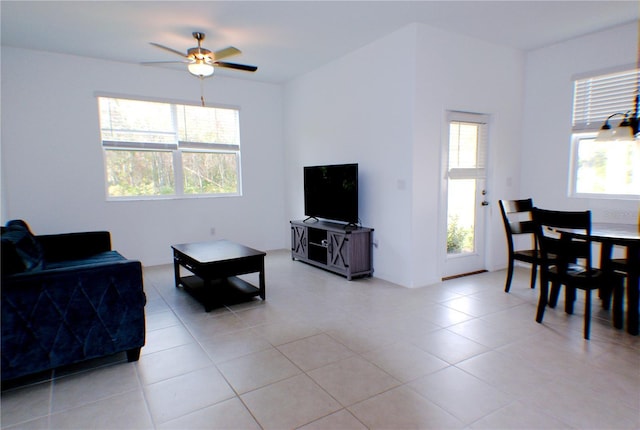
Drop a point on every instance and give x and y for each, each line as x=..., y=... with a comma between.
x=338, y=248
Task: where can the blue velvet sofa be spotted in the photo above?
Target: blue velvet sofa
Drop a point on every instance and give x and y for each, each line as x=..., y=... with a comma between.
x=66, y=298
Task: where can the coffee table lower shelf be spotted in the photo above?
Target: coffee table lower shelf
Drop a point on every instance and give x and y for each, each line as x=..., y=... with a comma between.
x=219, y=292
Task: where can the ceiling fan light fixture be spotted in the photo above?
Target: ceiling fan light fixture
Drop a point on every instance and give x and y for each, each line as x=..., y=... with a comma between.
x=200, y=68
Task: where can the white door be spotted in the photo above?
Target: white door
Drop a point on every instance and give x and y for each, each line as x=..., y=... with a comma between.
x=464, y=193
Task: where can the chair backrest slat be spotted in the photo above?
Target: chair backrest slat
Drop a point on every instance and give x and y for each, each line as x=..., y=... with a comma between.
x=515, y=206
x=516, y=215
x=553, y=241
x=522, y=227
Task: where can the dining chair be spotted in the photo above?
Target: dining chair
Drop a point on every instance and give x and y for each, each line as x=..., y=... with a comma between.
x=618, y=269
x=567, y=236
x=627, y=270
x=516, y=215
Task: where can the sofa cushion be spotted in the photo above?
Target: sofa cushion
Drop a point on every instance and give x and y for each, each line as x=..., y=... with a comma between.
x=11, y=261
x=102, y=257
x=20, y=249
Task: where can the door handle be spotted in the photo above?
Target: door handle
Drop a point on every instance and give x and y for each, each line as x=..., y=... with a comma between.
x=484, y=202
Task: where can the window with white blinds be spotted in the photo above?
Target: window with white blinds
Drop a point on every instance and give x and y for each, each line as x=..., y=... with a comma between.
x=602, y=168
x=155, y=149
x=467, y=145
x=597, y=97
x=205, y=127
x=146, y=124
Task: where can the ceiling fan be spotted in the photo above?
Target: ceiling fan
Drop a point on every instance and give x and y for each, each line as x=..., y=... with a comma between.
x=201, y=61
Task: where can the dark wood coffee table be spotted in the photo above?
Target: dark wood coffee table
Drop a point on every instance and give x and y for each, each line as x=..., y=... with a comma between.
x=215, y=266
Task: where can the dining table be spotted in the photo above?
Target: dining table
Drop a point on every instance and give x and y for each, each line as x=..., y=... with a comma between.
x=627, y=237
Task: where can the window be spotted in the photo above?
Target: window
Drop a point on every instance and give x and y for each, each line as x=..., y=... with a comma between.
x=604, y=168
x=156, y=150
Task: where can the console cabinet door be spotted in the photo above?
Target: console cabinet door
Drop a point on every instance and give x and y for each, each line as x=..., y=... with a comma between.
x=299, y=241
x=339, y=250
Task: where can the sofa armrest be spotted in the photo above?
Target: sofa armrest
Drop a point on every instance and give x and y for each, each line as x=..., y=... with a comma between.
x=73, y=246
x=52, y=318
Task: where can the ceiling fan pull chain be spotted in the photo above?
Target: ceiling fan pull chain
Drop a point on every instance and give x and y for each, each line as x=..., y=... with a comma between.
x=202, y=90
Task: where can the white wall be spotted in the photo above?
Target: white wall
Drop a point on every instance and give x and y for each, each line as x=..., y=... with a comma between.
x=53, y=174
x=456, y=73
x=359, y=108
x=387, y=114
x=547, y=113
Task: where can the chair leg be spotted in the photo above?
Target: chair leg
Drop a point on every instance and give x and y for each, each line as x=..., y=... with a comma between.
x=534, y=272
x=587, y=314
x=555, y=292
x=604, y=293
x=542, y=302
x=618, y=303
x=570, y=298
x=507, y=285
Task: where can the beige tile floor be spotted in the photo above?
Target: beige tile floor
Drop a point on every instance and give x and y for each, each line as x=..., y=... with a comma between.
x=325, y=353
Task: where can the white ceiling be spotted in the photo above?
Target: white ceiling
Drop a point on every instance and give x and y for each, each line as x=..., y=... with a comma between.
x=288, y=38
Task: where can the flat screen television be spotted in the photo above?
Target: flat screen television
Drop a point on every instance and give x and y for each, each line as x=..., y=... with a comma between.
x=331, y=192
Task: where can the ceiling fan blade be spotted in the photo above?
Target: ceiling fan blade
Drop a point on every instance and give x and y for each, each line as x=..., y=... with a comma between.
x=151, y=63
x=166, y=48
x=244, y=67
x=224, y=53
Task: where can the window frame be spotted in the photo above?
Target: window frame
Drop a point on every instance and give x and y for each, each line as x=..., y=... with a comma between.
x=576, y=137
x=176, y=149
x=593, y=112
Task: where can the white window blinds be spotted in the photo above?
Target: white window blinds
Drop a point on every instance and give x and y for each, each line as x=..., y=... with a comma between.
x=138, y=124
x=126, y=123
x=596, y=98
x=204, y=127
x=467, y=145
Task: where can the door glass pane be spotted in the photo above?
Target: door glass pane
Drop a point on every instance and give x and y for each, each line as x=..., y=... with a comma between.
x=463, y=146
x=461, y=216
